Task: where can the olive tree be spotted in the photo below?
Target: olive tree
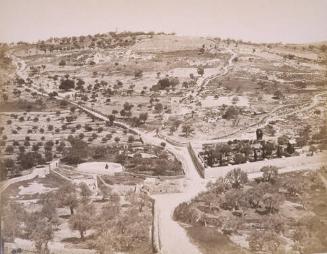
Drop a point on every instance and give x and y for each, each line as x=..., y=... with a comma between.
x=236, y=178
x=67, y=196
x=269, y=173
x=82, y=220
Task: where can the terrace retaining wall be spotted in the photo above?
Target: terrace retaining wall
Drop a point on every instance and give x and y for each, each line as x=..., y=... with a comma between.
x=54, y=172
x=157, y=177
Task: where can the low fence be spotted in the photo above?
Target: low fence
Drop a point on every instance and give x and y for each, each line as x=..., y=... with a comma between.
x=9, y=247
x=171, y=141
x=35, y=173
x=199, y=167
x=285, y=164
x=91, y=111
x=11, y=181
x=155, y=236
x=156, y=244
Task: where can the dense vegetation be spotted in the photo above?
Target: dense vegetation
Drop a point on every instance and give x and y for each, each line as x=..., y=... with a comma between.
x=265, y=211
x=102, y=224
x=240, y=151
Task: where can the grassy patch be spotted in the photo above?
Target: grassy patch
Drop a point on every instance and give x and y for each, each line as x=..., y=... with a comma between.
x=13, y=189
x=210, y=241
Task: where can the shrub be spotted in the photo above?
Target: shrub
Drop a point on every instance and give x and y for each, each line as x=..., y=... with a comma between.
x=200, y=71
x=62, y=63
x=48, y=156
x=9, y=149
x=30, y=159
x=138, y=73
x=131, y=139
x=165, y=83
x=67, y=84
x=87, y=127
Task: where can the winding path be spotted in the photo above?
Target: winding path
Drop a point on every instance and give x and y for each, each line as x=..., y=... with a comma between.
x=172, y=237
x=36, y=172
x=273, y=116
x=323, y=179
x=204, y=80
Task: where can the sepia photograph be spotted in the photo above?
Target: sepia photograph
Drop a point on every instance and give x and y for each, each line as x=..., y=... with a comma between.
x=163, y=126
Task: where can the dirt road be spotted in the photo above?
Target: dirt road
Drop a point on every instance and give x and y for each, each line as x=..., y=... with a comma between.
x=323, y=179
x=272, y=116
x=204, y=80
x=173, y=238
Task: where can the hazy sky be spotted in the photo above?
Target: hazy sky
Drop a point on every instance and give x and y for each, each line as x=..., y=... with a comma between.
x=256, y=20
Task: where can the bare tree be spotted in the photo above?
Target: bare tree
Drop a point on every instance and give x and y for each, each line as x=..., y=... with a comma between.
x=85, y=191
